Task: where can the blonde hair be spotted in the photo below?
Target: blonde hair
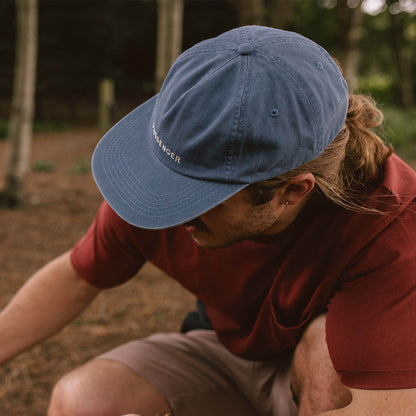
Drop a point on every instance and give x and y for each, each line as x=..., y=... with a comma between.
x=347, y=165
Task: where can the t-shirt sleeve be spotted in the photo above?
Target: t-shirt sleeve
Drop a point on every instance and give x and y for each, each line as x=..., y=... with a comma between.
x=371, y=321
x=107, y=255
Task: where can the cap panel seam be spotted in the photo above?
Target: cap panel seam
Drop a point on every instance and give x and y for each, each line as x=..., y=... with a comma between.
x=208, y=51
x=244, y=37
x=231, y=152
x=304, y=42
x=177, y=169
x=300, y=88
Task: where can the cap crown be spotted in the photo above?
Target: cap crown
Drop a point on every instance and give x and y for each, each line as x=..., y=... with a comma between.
x=251, y=104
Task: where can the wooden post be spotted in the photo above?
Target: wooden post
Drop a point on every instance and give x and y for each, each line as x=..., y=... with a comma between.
x=106, y=104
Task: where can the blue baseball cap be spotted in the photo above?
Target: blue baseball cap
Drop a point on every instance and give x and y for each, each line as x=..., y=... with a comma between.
x=246, y=106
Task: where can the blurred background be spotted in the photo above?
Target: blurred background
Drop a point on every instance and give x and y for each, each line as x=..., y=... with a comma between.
x=82, y=42
x=70, y=69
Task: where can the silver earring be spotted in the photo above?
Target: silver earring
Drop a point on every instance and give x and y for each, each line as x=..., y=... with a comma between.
x=286, y=203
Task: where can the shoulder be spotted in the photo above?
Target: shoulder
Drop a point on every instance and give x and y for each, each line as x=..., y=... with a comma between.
x=399, y=179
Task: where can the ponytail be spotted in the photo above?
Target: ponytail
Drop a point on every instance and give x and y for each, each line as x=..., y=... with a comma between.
x=365, y=151
x=347, y=165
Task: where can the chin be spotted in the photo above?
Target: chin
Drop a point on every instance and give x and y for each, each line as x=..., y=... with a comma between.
x=212, y=244
x=206, y=244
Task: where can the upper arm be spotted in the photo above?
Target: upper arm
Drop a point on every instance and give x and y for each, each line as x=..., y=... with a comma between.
x=370, y=325
x=398, y=402
x=62, y=266
x=107, y=255
x=371, y=318
x=59, y=277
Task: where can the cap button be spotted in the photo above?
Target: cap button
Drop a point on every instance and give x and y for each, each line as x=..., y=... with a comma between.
x=245, y=49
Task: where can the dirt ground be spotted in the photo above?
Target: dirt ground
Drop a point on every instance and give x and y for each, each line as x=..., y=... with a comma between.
x=60, y=206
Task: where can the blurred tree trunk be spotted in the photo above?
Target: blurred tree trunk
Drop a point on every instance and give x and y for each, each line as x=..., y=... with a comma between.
x=169, y=37
x=250, y=12
x=279, y=13
x=404, y=54
x=350, y=20
x=22, y=107
x=273, y=13
x=406, y=84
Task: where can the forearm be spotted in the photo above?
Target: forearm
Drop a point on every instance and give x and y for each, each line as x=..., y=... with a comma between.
x=49, y=300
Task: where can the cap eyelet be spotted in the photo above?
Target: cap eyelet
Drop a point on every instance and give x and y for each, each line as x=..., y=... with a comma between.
x=274, y=112
x=319, y=65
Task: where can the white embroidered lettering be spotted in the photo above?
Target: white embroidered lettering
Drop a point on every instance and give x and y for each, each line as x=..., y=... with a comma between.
x=163, y=147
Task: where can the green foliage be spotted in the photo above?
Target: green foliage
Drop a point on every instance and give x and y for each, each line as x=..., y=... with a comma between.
x=380, y=86
x=388, y=47
x=318, y=21
x=400, y=127
x=80, y=167
x=48, y=126
x=38, y=127
x=43, y=165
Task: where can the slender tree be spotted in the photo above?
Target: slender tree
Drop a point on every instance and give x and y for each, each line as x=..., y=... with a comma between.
x=250, y=12
x=169, y=36
x=404, y=53
x=279, y=13
x=274, y=13
x=350, y=21
x=22, y=107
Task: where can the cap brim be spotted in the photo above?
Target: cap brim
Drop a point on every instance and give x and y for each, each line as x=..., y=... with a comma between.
x=142, y=190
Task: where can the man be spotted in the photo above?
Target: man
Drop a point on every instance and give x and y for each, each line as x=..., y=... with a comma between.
x=257, y=183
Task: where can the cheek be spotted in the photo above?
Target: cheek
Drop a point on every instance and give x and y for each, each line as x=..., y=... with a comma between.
x=223, y=217
x=261, y=218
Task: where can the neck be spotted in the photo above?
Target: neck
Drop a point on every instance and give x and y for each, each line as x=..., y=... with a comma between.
x=288, y=214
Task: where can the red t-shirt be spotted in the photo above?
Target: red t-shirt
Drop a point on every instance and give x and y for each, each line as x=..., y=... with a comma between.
x=261, y=293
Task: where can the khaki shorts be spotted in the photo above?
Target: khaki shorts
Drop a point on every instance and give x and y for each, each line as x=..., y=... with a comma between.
x=198, y=376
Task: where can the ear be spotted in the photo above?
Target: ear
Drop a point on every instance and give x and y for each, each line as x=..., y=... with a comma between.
x=298, y=188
